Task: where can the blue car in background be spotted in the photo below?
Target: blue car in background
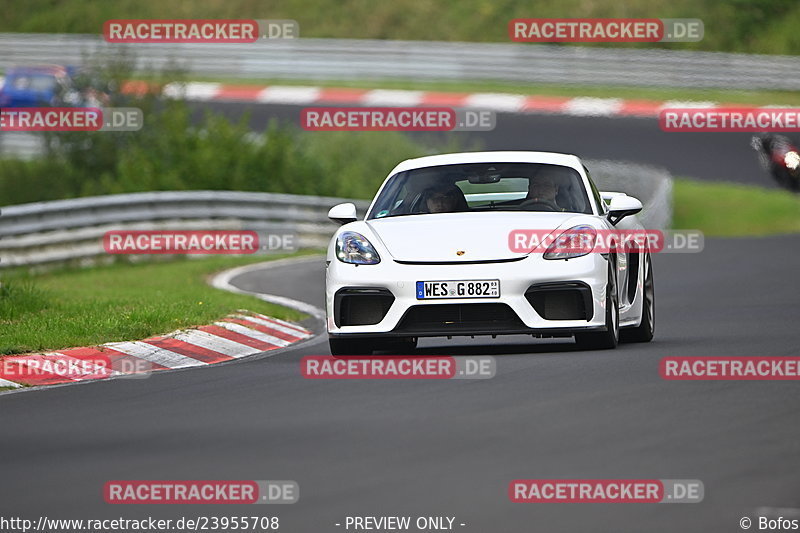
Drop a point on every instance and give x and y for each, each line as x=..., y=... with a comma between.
x=51, y=85
x=34, y=86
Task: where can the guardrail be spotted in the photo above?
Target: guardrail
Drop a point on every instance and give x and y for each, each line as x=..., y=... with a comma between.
x=21, y=145
x=71, y=231
x=337, y=59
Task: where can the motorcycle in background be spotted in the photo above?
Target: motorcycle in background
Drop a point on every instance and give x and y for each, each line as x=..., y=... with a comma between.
x=780, y=157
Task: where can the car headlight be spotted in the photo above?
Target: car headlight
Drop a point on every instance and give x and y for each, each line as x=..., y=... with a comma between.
x=354, y=248
x=574, y=242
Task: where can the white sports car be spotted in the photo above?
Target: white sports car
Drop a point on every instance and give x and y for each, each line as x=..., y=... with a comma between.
x=439, y=254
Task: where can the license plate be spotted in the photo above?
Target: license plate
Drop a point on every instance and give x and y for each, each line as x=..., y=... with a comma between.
x=474, y=288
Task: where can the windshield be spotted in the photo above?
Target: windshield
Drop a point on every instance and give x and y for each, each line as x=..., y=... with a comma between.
x=477, y=187
x=33, y=82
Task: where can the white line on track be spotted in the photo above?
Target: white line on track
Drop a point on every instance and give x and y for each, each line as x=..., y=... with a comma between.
x=6, y=383
x=223, y=281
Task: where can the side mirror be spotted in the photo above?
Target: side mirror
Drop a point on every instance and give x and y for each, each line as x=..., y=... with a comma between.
x=343, y=213
x=608, y=195
x=622, y=206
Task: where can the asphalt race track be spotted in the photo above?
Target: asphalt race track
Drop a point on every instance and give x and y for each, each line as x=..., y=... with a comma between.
x=451, y=447
x=705, y=156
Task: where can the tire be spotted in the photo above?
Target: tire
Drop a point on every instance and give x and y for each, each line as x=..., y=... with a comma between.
x=351, y=346
x=645, y=330
x=604, y=340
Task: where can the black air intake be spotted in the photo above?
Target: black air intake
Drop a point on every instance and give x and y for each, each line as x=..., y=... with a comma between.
x=561, y=301
x=361, y=306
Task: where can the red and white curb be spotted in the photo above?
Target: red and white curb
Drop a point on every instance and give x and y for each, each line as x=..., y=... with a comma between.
x=500, y=102
x=238, y=335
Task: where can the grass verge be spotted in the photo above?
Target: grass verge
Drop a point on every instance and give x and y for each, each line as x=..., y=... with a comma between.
x=121, y=302
x=728, y=210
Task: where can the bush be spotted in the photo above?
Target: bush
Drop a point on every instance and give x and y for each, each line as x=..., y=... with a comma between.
x=173, y=152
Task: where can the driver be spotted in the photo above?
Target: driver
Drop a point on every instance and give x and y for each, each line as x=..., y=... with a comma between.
x=444, y=199
x=542, y=191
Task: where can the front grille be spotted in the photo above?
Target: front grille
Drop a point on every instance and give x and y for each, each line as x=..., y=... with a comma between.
x=361, y=306
x=561, y=301
x=474, y=318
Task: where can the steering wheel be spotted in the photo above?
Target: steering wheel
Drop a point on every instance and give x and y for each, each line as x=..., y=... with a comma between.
x=548, y=206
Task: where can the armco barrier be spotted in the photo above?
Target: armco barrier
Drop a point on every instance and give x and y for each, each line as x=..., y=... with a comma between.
x=21, y=145
x=337, y=59
x=72, y=230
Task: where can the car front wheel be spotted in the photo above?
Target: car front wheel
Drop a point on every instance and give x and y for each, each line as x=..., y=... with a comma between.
x=604, y=340
x=645, y=330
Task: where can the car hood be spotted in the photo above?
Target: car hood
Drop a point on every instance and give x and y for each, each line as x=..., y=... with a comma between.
x=438, y=237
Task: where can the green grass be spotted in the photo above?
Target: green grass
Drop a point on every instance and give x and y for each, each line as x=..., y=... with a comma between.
x=761, y=26
x=724, y=96
x=726, y=209
x=121, y=302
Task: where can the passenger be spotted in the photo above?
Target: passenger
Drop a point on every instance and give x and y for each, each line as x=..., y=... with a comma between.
x=542, y=193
